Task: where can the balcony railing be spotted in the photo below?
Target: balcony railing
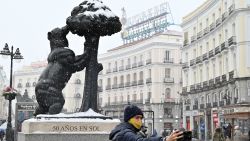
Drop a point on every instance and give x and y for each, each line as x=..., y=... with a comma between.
x=198, y=87
x=148, y=80
x=185, y=65
x=192, y=62
x=212, y=26
x=217, y=50
x=202, y=106
x=209, y=105
x=192, y=87
x=215, y=104
x=224, y=78
x=205, y=85
x=218, y=21
x=211, y=53
x=100, y=89
x=168, y=60
x=121, y=68
x=140, y=82
x=232, y=41
x=128, y=67
x=221, y=103
x=148, y=61
x=134, y=65
x=206, y=30
x=231, y=9
x=231, y=76
x=195, y=107
x=211, y=83
x=108, y=87
x=127, y=84
x=217, y=80
x=115, y=69
x=198, y=60
x=199, y=35
x=121, y=85
x=114, y=86
x=224, y=15
x=140, y=63
x=108, y=71
x=134, y=83
x=193, y=38
x=205, y=56
x=168, y=80
x=224, y=46
x=184, y=89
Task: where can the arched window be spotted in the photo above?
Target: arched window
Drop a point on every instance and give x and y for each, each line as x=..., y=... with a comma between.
x=167, y=93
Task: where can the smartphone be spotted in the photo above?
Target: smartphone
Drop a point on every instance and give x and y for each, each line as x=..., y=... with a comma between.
x=187, y=136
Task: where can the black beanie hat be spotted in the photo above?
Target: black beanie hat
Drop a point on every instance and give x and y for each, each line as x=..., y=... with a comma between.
x=131, y=111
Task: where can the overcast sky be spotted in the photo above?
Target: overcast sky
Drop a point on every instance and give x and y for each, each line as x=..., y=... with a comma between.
x=25, y=23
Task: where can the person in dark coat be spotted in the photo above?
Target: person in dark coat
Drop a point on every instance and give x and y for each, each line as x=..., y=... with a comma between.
x=128, y=130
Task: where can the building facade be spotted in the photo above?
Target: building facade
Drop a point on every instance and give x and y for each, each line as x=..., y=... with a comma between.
x=146, y=73
x=216, y=66
x=3, y=102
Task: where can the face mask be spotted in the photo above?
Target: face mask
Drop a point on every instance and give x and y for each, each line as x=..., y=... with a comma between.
x=136, y=122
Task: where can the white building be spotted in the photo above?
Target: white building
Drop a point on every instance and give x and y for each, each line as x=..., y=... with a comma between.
x=146, y=73
x=3, y=102
x=216, y=71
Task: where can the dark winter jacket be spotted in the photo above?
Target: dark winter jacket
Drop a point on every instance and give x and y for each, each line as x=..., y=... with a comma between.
x=127, y=132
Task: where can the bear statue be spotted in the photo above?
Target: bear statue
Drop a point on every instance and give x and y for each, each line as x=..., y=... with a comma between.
x=62, y=63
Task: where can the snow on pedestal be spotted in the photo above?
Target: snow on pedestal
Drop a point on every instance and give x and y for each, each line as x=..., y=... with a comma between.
x=88, y=122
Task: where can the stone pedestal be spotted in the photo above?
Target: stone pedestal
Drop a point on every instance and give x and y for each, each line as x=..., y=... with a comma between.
x=63, y=127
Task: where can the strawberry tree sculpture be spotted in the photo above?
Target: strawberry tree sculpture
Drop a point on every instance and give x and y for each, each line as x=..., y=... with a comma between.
x=92, y=19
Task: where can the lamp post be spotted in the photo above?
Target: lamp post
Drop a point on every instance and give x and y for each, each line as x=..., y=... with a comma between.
x=13, y=55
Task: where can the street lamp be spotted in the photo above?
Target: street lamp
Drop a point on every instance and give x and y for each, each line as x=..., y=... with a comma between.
x=13, y=55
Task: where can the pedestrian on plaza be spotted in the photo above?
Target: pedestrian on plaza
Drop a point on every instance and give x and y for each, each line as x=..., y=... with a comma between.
x=237, y=133
x=2, y=134
x=128, y=130
x=164, y=133
x=218, y=135
x=229, y=130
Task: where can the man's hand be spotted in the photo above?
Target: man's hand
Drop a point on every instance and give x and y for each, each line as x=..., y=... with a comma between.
x=174, y=136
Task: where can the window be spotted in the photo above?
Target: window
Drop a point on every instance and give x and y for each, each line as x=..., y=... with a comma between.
x=194, y=31
x=135, y=77
x=194, y=77
x=141, y=95
x=233, y=29
x=134, y=96
x=213, y=17
x=200, y=26
x=109, y=65
x=141, y=57
x=200, y=50
x=208, y=73
x=194, y=53
x=207, y=47
x=226, y=34
x=141, y=75
x=167, y=55
x=149, y=73
x=100, y=83
x=109, y=82
x=208, y=98
x=115, y=64
x=128, y=61
x=135, y=59
x=167, y=72
x=115, y=80
x=207, y=22
x=201, y=79
x=214, y=70
x=167, y=93
x=220, y=68
x=122, y=63
x=226, y=65
x=128, y=78
x=122, y=79
x=213, y=42
x=128, y=98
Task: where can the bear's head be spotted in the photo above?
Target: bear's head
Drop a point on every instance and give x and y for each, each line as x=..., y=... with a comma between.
x=57, y=37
